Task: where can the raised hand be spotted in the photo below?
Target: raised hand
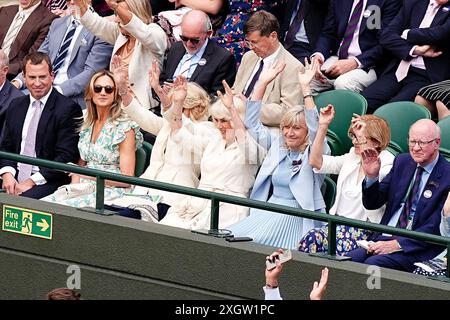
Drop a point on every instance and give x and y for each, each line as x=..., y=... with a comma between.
x=306, y=74
x=319, y=288
x=358, y=127
x=371, y=162
x=446, y=209
x=326, y=115
x=268, y=74
x=227, y=98
x=179, y=90
x=153, y=75
x=120, y=72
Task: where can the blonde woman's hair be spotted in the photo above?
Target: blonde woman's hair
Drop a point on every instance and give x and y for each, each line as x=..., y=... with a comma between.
x=91, y=109
x=377, y=130
x=219, y=111
x=197, y=101
x=142, y=9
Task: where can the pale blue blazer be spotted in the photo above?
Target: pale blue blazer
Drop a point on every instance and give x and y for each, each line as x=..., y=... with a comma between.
x=304, y=184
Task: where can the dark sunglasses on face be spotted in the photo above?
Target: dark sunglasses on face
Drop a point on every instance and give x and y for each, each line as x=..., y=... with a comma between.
x=108, y=89
x=192, y=40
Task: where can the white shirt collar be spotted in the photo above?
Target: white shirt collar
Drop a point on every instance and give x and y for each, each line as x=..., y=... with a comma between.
x=43, y=99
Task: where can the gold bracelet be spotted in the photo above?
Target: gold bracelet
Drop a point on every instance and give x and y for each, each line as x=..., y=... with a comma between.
x=270, y=286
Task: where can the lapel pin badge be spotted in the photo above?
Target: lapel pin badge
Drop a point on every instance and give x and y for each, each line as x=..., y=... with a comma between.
x=202, y=62
x=445, y=9
x=427, y=194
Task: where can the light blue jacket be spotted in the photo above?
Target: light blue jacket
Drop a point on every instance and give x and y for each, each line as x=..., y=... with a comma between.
x=304, y=184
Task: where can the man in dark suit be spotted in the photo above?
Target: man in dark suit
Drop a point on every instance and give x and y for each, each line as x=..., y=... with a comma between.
x=196, y=57
x=348, y=47
x=414, y=193
x=301, y=26
x=23, y=27
x=7, y=91
x=44, y=125
x=419, y=39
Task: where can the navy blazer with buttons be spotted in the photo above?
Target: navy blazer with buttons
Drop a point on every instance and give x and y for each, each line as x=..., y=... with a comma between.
x=391, y=191
x=56, y=137
x=438, y=35
x=336, y=22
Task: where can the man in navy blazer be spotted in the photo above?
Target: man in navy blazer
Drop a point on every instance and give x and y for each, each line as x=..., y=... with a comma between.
x=431, y=186
x=88, y=55
x=422, y=51
x=7, y=91
x=55, y=119
x=305, y=38
x=209, y=63
x=352, y=60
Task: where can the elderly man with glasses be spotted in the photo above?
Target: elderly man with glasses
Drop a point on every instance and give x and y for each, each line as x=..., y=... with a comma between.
x=197, y=58
x=414, y=193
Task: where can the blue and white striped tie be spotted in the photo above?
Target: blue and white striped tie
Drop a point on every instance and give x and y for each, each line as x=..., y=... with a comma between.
x=62, y=53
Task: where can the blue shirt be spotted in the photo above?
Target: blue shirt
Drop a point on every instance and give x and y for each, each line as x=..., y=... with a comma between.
x=300, y=36
x=193, y=58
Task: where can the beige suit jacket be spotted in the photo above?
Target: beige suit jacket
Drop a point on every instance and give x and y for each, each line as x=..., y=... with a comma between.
x=281, y=94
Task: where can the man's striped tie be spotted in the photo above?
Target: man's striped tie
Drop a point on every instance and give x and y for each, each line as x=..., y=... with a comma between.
x=15, y=27
x=62, y=53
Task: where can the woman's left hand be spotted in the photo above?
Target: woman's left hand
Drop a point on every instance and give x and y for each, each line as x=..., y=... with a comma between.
x=179, y=90
x=268, y=74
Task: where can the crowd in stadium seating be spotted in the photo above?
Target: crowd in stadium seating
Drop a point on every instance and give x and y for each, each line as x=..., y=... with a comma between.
x=264, y=138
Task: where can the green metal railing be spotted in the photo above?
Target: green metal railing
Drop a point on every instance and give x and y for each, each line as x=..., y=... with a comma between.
x=216, y=198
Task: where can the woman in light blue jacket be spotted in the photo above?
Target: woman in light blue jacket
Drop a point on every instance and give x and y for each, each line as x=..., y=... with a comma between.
x=285, y=176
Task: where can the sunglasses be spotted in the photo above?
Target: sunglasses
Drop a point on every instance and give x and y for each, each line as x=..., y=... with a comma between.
x=192, y=40
x=108, y=89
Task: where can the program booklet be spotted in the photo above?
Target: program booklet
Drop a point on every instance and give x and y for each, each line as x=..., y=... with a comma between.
x=365, y=244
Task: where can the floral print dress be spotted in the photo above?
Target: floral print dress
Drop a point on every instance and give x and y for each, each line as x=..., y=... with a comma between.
x=231, y=35
x=103, y=154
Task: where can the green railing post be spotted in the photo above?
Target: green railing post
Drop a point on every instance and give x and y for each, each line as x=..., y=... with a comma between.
x=332, y=238
x=100, y=195
x=214, y=225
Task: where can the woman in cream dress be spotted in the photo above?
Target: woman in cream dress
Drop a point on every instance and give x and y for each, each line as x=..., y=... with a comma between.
x=228, y=163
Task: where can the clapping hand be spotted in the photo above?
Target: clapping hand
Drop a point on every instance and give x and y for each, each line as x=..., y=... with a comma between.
x=268, y=74
x=227, y=98
x=326, y=115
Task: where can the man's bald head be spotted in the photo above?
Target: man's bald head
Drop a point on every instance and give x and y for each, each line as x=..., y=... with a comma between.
x=424, y=141
x=195, y=29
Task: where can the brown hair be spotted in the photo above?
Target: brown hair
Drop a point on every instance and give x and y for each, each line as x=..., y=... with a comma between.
x=35, y=58
x=63, y=294
x=91, y=110
x=262, y=21
x=377, y=130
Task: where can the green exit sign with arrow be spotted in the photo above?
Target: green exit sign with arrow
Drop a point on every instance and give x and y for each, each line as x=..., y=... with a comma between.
x=28, y=222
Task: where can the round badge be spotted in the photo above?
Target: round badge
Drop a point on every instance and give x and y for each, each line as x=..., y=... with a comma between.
x=202, y=62
x=427, y=194
x=367, y=13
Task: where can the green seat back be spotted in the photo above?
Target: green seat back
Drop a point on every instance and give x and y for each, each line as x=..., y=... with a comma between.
x=400, y=116
x=444, y=124
x=329, y=192
x=148, y=152
x=345, y=104
x=140, y=162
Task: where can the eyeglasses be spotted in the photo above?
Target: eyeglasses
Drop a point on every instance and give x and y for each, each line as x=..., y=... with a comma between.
x=108, y=89
x=192, y=40
x=352, y=137
x=422, y=144
x=250, y=44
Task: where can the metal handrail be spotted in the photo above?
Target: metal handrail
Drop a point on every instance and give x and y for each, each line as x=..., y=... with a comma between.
x=216, y=198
